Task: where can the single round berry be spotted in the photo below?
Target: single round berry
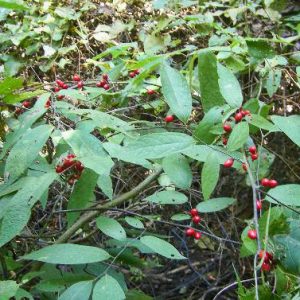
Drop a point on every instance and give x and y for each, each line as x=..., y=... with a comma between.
x=244, y=166
x=258, y=204
x=224, y=141
x=59, y=169
x=79, y=166
x=150, y=92
x=106, y=86
x=273, y=183
x=105, y=77
x=228, y=163
x=48, y=103
x=265, y=182
x=190, y=232
x=266, y=267
x=136, y=72
x=194, y=212
x=65, y=86
x=238, y=117
x=247, y=112
x=59, y=82
x=132, y=74
x=80, y=84
x=56, y=89
x=252, y=234
x=76, y=77
x=196, y=219
x=26, y=104
x=98, y=84
x=60, y=97
x=197, y=235
x=71, y=156
x=169, y=118
x=267, y=256
x=254, y=156
x=227, y=127
x=252, y=149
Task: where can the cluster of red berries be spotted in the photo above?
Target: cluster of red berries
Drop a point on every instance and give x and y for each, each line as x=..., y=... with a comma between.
x=77, y=79
x=134, y=73
x=196, y=220
x=269, y=182
x=25, y=104
x=254, y=155
x=104, y=82
x=70, y=164
x=237, y=117
x=268, y=260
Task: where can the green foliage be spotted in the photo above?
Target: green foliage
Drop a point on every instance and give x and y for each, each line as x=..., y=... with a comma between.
x=111, y=228
x=216, y=204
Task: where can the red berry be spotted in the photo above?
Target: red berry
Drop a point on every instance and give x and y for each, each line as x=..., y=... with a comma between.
x=76, y=176
x=247, y=112
x=132, y=74
x=71, y=181
x=273, y=183
x=265, y=182
x=48, y=103
x=98, y=84
x=196, y=219
x=136, y=72
x=238, y=117
x=228, y=163
x=106, y=86
x=190, y=232
x=150, y=92
x=197, y=235
x=79, y=166
x=80, y=84
x=254, y=156
x=266, y=267
x=252, y=234
x=266, y=255
x=68, y=162
x=169, y=118
x=18, y=110
x=227, y=127
x=224, y=141
x=258, y=204
x=252, y=149
x=65, y=86
x=105, y=77
x=59, y=83
x=76, y=77
x=71, y=156
x=26, y=104
x=56, y=89
x=244, y=166
x=194, y=212
x=59, y=169
x=60, y=97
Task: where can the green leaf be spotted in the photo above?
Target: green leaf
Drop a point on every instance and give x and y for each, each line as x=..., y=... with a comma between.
x=167, y=197
x=108, y=288
x=137, y=295
x=134, y=222
x=83, y=194
x=105, y=184
x=261, y=122
x=290, y=246
x=180, y=217
x=161, y=247
x=17, y=212
x=26, y=150
x=78, y=291
x=8, y=288
x=67, y=13
x=111, y=227
x=287, y=194
x=88, y=149
x=68, y=254
x=229, y=87
x=211, y=118
x=12, y=4
x=158, y=145
x=178, y=169
x=273, y=81
x=176, y=92
x=215, y=204
x=210, y=175
x=10, y=84
x=260, y=49
x=15, y=98
x=208, y=76
x=290, y=126
x=238, y=136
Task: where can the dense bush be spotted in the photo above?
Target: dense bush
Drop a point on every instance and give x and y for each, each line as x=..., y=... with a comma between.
x=150, y=150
